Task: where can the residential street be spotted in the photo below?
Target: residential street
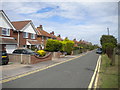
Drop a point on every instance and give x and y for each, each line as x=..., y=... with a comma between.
x=72, y=74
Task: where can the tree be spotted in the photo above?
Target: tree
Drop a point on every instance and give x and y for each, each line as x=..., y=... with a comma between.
x=67, y=46
x=108, y=42
x=53, y=45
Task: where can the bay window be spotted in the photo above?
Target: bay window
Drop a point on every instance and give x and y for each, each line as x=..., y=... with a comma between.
x=6, y=31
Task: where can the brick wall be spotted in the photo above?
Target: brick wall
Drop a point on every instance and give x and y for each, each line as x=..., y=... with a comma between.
x=35, y=59
x=28, y=59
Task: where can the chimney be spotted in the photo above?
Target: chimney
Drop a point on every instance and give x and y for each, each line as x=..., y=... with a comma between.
x=52, y=33
x=40, y=27
x=59, y=35
x=74, y=39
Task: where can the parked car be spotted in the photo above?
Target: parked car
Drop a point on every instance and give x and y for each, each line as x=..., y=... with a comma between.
x=24, y=51
x=99, y=51
x=4, y=58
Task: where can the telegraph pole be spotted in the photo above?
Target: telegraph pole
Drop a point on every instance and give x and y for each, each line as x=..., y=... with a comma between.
x=108, y=30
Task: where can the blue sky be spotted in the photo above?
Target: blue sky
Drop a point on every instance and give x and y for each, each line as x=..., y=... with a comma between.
x=80, y=20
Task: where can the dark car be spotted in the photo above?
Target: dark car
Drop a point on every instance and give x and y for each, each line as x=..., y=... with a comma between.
x=4, y=58
x=99, y=51
x=24, y=51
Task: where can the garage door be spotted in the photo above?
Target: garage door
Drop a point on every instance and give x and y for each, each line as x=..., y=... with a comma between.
x=10, y=48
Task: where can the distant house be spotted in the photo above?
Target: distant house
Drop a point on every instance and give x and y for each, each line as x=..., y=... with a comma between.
x=53, y=35
x=26, y=34
x=42, y=36
x=76, y=42
x=7, y=41
x=59, y=38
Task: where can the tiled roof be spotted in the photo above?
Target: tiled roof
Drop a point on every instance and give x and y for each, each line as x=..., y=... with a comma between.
x=20, y=24
x=43, y=33
x=7, y=41
x=58, y=38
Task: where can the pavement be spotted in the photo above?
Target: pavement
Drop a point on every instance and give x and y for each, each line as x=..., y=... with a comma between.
x=13, y=69
x=76, y=73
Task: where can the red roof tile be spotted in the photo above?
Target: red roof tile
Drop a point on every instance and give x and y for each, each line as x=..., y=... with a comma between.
x=20, y=24
x=43, y=33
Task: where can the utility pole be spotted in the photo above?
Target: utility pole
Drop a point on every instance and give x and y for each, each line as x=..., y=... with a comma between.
x=108, y=30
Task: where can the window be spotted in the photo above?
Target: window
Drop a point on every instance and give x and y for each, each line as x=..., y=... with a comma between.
x=25, y=35
x=32, y=36
x=6, y=31
x=42, y=38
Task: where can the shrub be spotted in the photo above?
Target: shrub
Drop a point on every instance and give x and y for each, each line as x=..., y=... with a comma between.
x=67, y=46
x=41, y=52
x=53, y=45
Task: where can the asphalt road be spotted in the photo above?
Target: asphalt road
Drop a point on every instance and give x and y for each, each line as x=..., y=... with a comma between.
x=73, y=74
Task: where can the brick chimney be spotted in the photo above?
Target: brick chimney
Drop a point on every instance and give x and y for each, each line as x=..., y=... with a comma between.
x=74, y=39
x=40, y=27
x=52, y=33
x=59, y=35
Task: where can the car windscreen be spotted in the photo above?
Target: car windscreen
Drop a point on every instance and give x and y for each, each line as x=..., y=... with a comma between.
x=99, y=49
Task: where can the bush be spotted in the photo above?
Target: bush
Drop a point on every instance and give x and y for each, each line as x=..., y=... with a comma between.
x=53, y=45
x=67, y=46
x=41, y=52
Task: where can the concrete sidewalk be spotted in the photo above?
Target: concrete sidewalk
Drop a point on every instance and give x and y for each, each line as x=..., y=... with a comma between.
x=13, y=69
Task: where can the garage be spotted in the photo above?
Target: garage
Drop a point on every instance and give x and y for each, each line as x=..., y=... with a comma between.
x=10, y=48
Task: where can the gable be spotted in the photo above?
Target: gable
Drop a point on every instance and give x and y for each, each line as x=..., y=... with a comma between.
x=29, y=28
x=4, y=21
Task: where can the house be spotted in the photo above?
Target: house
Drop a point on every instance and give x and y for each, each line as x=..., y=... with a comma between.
x=26, y=34
x=59, y=38
x=76, y=42
x=42, y=36
x=53, y=35
x=7, y=41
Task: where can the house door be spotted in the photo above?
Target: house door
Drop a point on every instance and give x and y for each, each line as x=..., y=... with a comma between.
x=10, y=48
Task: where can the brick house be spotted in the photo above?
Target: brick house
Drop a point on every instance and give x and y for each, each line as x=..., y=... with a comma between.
x=26, y=34
x=56, y=37
x=59, y=38
x=42, y=36
x=76, y=42
x=7, y=41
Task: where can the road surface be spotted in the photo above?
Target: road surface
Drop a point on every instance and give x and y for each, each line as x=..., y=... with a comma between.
x=76, y=73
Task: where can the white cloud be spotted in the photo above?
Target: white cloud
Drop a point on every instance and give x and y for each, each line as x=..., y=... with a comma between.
x=88, y=21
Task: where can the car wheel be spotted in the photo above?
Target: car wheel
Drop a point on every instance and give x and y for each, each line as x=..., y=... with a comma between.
x=5, y=63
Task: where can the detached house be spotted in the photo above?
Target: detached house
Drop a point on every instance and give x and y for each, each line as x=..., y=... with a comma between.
x=7, y=41
x=42, y=36
x=26, y=35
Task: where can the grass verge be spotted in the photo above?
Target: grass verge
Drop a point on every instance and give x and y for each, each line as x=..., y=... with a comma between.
x=108, y=75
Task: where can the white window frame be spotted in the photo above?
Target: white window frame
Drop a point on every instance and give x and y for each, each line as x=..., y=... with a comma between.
x=42, y=38
x=7, y=30
x=25, y=35
x=32, y=36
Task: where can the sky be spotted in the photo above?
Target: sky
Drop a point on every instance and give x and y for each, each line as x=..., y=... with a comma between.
x=80, y=20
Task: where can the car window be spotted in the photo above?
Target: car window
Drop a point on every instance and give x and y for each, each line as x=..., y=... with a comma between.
x=4, y=53
x=30, y=51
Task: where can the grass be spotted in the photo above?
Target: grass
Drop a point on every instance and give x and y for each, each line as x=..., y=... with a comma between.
x=108, y=76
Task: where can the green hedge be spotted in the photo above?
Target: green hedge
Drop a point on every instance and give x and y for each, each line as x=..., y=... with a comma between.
x=53, y=45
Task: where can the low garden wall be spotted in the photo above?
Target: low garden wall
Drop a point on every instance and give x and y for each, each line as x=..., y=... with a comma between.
x=28, y=59
x=56, y=55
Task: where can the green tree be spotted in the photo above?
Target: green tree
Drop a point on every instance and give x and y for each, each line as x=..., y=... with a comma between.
x=53, y=45
x=108, y=39
x=67, y=46
x=108, y=42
